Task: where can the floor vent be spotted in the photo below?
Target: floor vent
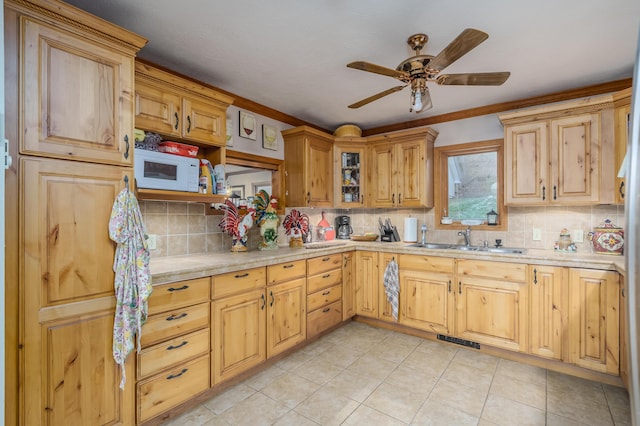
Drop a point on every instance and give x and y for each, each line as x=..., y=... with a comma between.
x=459, y=341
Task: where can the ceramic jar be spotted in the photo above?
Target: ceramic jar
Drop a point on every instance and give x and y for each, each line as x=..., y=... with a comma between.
x=607, y=239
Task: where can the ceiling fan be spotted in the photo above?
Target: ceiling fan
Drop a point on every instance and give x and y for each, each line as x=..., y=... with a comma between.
x=417, y=70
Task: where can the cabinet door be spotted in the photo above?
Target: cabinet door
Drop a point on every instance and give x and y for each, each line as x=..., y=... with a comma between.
x=81, y=385
x=350, y=164
x=367, y=284
x=348, y=285
x=594, y=340
x=382, y=176
x=624, y=334
x=549, y=310
x=239, y=326
x=385, y=311
x=492, y=312
x=78, y=101
x=157, y=109
x=526, y=165
x=320, y=173
x=410, y=172
x=286, y=316
x=203, y=122
x=427, y=301
x=622, y=123
x=575, y=159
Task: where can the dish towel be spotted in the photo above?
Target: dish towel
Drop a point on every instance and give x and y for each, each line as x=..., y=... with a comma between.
x=132, y=281
x=392, y=286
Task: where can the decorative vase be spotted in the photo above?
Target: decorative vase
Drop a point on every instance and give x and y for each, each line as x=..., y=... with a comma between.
x=269, y=232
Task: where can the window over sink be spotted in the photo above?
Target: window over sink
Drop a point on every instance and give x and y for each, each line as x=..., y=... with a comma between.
x=469, y=184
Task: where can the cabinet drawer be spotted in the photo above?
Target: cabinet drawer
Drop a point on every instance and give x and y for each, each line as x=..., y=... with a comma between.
x=324, y=297
x=498, y=270
x=321, y=264
x=324, y=280
x=171, y=388
x=158, y=357
x=324, y=318
x=238, y=282
x=182, y=293
x=286, y=271
x=426, y=263
x=173, y=323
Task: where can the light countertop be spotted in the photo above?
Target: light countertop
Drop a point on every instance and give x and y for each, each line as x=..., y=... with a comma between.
x=177, y=268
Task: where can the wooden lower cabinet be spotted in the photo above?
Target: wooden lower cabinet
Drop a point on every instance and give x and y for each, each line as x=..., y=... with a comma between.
x=348, y=285
x=594, y=319
x=324, y=293
x=385, y=310
x=286, y=315
x=548, y=307
x=491, y=305
x=427, y=301
x=367, y=292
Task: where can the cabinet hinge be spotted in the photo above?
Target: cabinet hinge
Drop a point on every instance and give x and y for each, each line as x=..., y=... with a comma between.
x=7, y=158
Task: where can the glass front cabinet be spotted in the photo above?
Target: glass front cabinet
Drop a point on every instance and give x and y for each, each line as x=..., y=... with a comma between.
x=350, y=176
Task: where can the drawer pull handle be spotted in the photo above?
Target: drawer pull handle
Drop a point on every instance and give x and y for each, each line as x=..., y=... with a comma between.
x=325, y=310
x=175, y=376
x=326, y=275
x=170, y=348
x=175, y=317
x=246, y=274
x=326, y=259
x=264, y=302
x=273, y=299
x=184, y=287
x=449, y=286
x=326, y=292
x=177, y=120
x=188, y=124
x=535, y=276
x=288, y=266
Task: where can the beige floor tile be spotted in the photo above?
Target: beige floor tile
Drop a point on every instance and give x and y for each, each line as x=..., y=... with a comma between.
x=232, y=396
x=353, y=385
x=294, y=419
x=407, y=378
x=524, y=372
x=477, y=360
x=290, y=389
x=196, y=417
x=399, y=403
x=368, y=416
x=294, y=361
x=438, y=414
x=394, y=352
x=372, y=366
x=459, y=397
x=580, y=389
x=431, y=346
x=533, y=394
x=262, y=379
x=319, y=370
x=571, y=405
x=506, y=412
x=327, y=408
x=403, y=339
x=468, y=375
x=257, y=410
x=556, y=420
x=429, y=362
x=343, y=355
x=616, y=396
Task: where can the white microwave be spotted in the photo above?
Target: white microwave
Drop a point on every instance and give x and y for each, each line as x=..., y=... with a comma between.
x=157, y=170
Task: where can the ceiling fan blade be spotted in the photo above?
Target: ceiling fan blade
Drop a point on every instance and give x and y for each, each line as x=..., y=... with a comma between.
x=366, y=66
x=473, y=79
x=376, y=96
x=467, y=40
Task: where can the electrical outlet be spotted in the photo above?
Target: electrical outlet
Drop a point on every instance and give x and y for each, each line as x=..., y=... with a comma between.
x=578, y=236
x=537, y=234
x=151, y=241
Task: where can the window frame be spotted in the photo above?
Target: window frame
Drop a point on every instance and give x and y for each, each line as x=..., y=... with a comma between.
x=441, y=172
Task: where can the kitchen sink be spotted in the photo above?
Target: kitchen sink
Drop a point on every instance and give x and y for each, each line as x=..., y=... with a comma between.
x=504, y=250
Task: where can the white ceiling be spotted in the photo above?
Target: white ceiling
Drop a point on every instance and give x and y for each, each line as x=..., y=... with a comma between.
x=291, y=55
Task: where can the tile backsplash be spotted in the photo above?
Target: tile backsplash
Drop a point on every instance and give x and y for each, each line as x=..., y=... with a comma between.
x=183, y=228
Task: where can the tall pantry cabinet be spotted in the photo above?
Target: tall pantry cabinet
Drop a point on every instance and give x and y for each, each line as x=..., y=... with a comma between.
x=69, y=118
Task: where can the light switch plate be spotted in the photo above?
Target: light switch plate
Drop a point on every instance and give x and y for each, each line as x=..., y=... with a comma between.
x=577, y=236
x=537, y=234
x=151, y=241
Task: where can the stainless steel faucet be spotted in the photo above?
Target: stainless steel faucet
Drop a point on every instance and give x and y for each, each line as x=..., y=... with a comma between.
x=467, y=236
x=424, y=233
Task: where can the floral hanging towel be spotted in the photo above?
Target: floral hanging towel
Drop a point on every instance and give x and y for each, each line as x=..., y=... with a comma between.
x=132, y=277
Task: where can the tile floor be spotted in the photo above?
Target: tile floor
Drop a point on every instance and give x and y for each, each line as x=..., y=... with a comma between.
x=361, y=375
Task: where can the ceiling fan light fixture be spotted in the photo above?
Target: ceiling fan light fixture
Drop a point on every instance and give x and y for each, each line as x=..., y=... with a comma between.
x=419, y=99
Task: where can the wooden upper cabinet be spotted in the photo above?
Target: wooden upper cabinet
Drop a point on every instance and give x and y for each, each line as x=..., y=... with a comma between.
x=308, y=157
x=560, y=154
x=350, y=173
x=401, y=169
x=179, y=108
x=622, y=123
x=77, y=96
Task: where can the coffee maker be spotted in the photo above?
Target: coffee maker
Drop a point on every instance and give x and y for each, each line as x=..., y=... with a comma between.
x=343, y=225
